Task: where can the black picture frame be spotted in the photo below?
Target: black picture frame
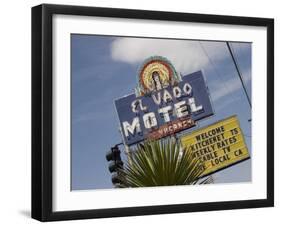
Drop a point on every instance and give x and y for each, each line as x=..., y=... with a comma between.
x=42, y=111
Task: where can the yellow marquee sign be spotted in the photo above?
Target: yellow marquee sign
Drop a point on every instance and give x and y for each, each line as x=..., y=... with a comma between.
x=217, y=146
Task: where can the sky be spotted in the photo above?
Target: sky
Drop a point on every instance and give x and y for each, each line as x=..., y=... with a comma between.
x=104, y=68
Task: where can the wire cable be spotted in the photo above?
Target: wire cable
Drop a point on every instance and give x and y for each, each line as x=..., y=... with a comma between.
x=214, y=67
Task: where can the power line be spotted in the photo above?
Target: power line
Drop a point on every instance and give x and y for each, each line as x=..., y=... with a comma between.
x=214, y=67
x=239, y=73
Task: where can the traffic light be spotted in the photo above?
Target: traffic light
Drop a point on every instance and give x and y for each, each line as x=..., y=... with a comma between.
x=116, y=163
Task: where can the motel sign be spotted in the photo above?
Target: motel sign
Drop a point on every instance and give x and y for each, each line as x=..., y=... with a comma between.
x=165, y=110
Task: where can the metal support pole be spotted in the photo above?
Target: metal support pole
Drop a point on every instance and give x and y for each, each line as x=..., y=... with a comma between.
x=128, y=153
x=127, y=149
x=239, y=73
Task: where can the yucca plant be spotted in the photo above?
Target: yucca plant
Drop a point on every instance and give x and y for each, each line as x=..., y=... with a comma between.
x=161, y=163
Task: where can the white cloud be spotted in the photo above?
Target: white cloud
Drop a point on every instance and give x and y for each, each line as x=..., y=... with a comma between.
x=186, y=56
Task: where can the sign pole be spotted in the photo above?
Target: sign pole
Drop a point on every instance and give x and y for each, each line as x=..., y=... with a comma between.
x=128, y=153
x=127, y=149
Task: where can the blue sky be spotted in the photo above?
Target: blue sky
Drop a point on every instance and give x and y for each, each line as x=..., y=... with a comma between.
x=104, y=68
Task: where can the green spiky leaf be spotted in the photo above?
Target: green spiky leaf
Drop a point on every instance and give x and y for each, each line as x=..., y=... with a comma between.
x=161, y=163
